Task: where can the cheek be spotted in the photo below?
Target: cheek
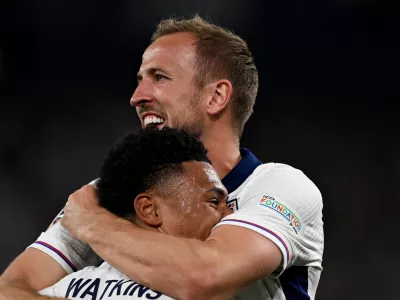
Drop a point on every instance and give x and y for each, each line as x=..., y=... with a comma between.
x=176, y=112
x=203, y=222
x=182, y=219
x=213, y=218
x=176, y=99
x=174, y=220
x=169, y=95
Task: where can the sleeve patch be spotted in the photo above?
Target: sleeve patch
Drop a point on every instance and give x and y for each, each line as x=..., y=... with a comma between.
x=292, y=218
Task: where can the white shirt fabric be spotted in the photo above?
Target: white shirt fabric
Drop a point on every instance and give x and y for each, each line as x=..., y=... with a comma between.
x=103, y=282
x=274, y=200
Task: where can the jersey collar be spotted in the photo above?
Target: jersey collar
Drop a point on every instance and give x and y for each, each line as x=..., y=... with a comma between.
x=241, y=171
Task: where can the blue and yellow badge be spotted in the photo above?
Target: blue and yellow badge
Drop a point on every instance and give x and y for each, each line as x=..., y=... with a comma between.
x=270, y=202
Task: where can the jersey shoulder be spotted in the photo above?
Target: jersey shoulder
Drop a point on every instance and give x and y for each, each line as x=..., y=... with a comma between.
x=281, y=180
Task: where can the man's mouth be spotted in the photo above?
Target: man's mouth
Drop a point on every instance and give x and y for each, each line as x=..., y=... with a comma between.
x=153, y=120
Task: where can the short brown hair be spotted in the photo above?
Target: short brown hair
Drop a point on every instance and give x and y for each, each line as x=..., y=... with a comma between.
x=220, y=54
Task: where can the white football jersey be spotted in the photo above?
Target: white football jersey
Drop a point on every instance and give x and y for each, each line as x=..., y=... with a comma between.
x=70, y=253
x=275, y=200
x=282, y=204
x=103, y=282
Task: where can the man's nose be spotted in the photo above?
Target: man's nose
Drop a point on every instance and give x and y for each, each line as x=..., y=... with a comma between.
x=226, y=211
x=142, y=95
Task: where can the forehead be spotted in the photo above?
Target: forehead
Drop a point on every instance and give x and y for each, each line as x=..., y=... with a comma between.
x=203, y=175
x=173, y=50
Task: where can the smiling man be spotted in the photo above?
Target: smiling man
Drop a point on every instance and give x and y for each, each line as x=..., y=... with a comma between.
x=201, y=78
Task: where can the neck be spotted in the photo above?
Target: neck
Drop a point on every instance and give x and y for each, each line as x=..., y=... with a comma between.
x=223, y=149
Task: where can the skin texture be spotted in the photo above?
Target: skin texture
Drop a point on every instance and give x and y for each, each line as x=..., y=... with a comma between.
x=194, y=204
x=165, y=85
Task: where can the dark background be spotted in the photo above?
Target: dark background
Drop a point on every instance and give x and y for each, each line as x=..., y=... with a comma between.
x=329, y=80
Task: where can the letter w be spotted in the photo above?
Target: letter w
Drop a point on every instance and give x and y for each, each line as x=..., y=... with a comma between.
x=76, y=286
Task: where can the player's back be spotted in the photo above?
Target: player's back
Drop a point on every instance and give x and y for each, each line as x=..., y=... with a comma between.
x=103, y=282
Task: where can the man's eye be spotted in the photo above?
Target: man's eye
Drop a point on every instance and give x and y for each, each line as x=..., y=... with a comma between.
x=214, y=202
x=160, y=77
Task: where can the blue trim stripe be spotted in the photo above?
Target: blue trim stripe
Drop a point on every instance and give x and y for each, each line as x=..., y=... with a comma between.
x=59, y=254
x=265, y=229
x=294, y=282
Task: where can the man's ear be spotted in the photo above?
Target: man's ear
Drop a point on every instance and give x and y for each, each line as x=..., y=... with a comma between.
x=147, y=209
x=221, y=92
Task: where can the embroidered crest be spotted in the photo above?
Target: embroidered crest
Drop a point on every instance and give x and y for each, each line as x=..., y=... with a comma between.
x=232, y=204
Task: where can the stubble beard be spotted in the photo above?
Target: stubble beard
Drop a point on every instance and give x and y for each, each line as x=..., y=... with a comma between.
x=192, y=122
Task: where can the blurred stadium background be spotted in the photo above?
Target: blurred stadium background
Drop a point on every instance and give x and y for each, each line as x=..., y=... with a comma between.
x=329, y=80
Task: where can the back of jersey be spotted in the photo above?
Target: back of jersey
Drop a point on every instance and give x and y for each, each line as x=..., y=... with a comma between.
x=104, y=282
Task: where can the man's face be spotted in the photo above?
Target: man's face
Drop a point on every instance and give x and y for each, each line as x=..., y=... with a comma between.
x=167, y=94
x=195, y=203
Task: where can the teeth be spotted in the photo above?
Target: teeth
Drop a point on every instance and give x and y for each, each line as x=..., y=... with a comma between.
x=152, y=119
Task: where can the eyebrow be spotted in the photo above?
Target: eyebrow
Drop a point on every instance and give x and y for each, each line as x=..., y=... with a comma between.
x=219, y=191
x=151, y=71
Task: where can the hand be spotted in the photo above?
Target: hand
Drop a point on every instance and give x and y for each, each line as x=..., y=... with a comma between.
x=82, y=212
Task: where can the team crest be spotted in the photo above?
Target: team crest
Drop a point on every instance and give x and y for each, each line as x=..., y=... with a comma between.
x=232, y=204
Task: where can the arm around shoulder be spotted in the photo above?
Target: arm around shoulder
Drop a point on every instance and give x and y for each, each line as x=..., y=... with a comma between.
x=241, y=256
